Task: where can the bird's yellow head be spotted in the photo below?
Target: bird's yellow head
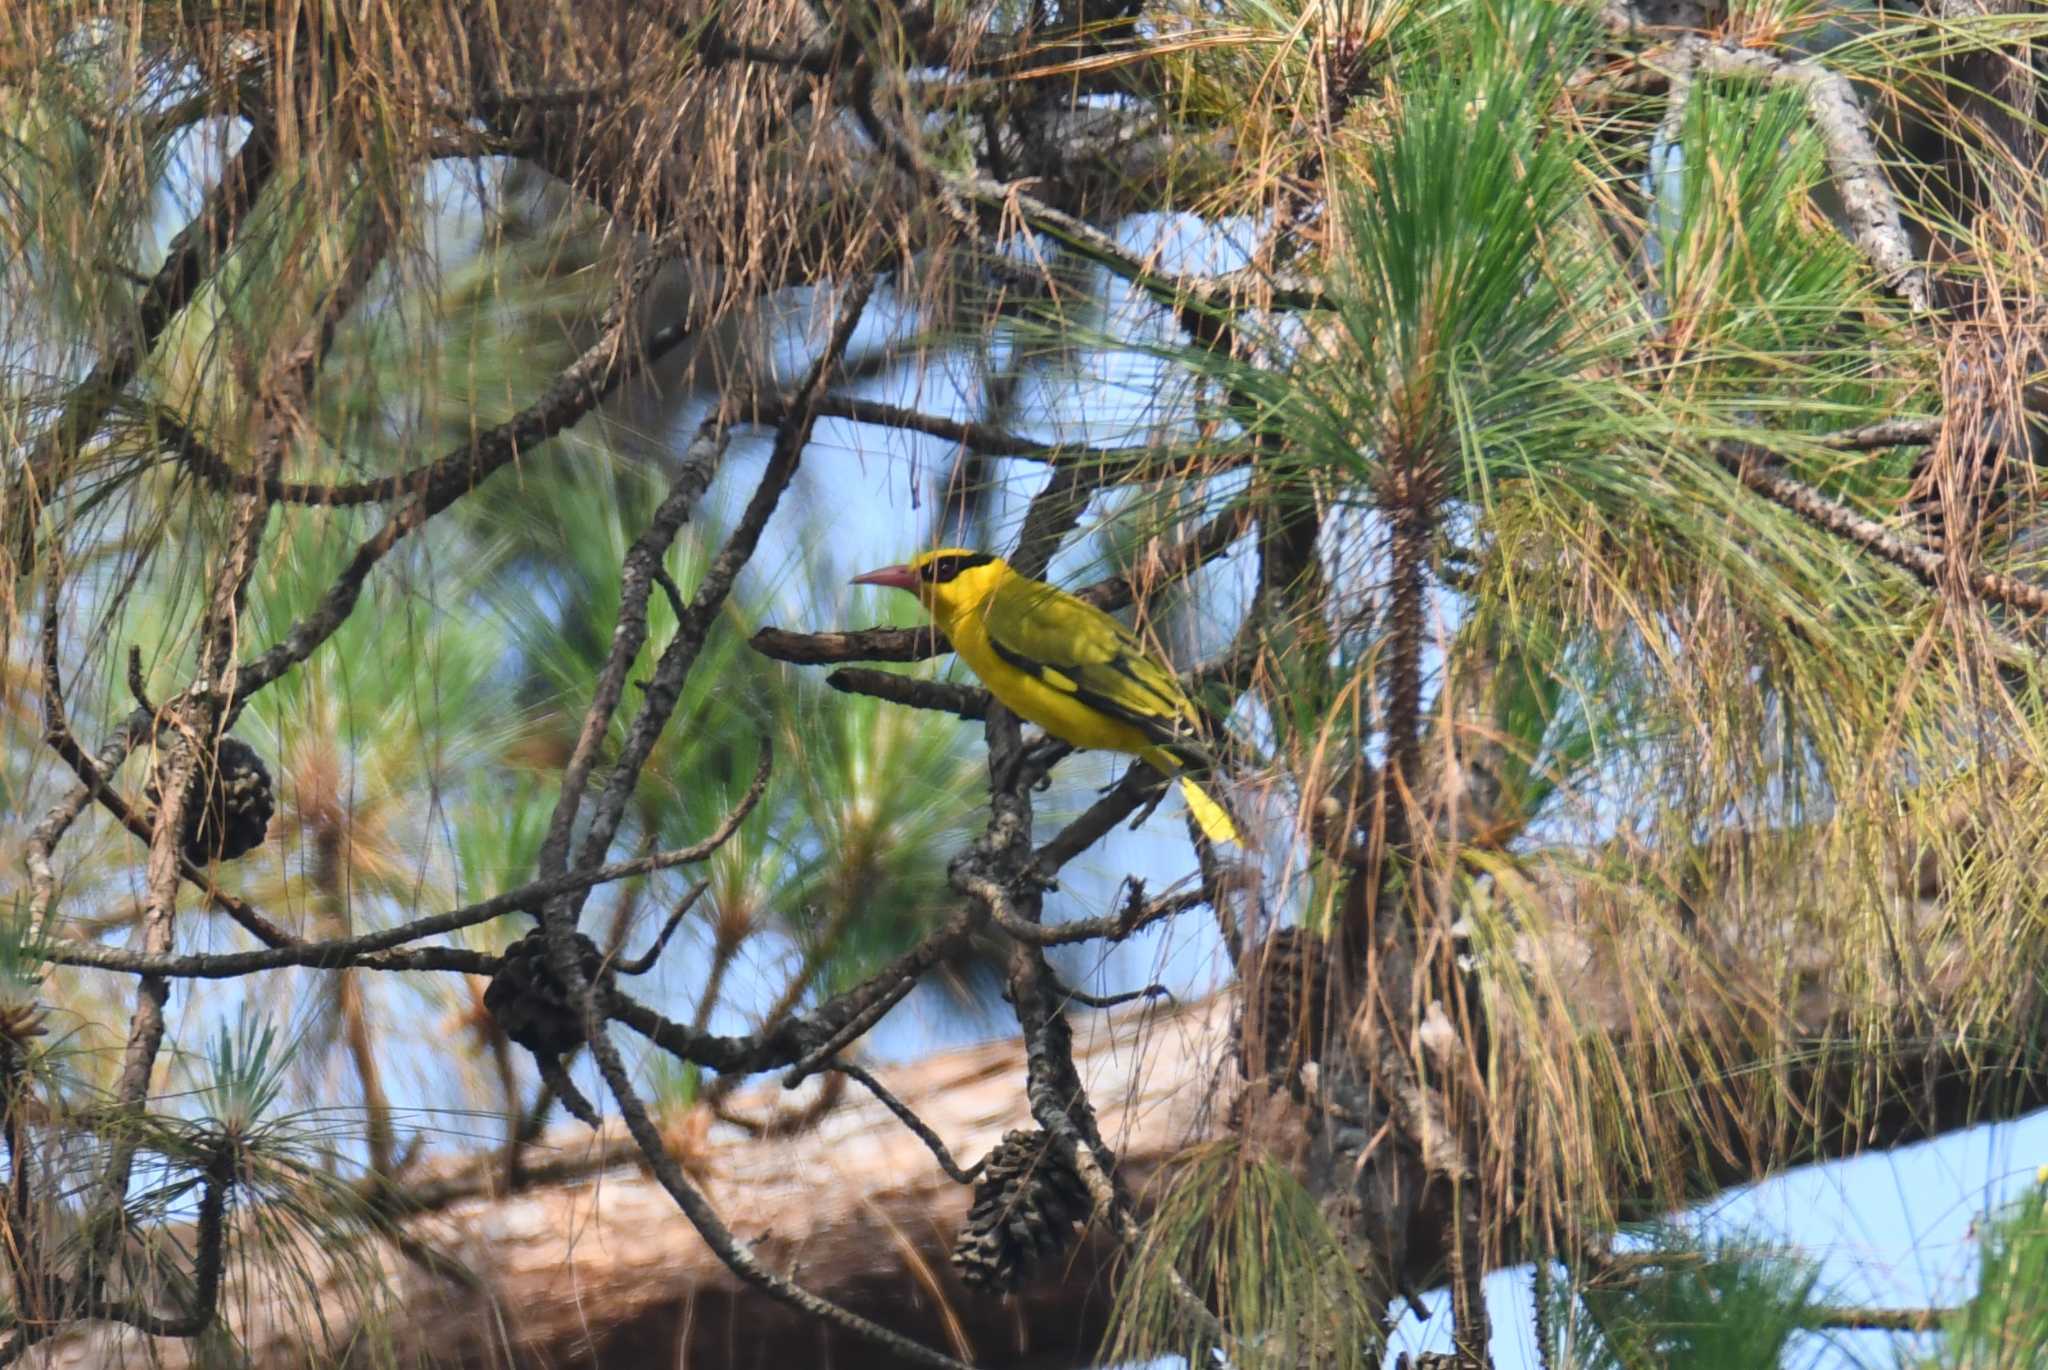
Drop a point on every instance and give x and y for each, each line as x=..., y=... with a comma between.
x=948, y=582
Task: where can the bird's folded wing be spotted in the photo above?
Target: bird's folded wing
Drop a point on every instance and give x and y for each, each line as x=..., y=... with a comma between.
x=1075, y=648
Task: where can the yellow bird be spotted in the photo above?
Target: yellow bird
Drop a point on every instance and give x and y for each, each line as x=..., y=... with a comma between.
x=1061, y=663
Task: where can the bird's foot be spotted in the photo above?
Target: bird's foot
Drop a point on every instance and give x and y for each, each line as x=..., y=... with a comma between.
x=1042, y=754
x=1032, y=764
x=1151, y=805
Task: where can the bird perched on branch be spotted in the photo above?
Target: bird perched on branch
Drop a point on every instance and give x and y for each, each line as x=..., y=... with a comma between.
x=1063, y=664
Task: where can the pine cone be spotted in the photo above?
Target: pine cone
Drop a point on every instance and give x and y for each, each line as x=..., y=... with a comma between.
x=528, y=1000
x=1026, y=1204
x=1285, y=1019
x=231, y=806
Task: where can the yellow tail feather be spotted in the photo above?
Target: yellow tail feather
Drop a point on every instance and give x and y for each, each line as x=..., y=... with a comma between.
x=1208, y=813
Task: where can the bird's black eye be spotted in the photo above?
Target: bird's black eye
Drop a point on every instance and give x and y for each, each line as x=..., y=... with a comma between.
x=939, y=570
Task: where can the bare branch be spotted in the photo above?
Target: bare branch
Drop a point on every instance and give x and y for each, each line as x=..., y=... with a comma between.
x=664, y=690
x=1875, y=437
x=789, y=1041
x=629, y=633
x=1138, y=784
x=1138, y=912
x=911, y=1121
x=1231, y=292
x=1885, y=1319
x=43, y=839
x=942, y=696
x=1858, y=171
x=361, y=951
x=867, y=644
x=975, y=437
x=603, y=367
x=1109, y=1001
x=847, y=1033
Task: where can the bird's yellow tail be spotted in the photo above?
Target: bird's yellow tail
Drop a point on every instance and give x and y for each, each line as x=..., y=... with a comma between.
x=1212, y=817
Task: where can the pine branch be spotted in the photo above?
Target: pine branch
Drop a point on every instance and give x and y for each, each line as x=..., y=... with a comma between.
x=1761, y=472
x=868, y=644
x=194, y=252
x=1853, y=159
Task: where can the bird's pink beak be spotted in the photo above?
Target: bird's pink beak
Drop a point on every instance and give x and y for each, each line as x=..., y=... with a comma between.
x=894, y=577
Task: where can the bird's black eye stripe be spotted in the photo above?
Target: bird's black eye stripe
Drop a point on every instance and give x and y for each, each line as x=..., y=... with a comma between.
x=939, y=570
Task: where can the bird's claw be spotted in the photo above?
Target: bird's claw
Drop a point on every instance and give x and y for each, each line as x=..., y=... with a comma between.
x=1036, y=759
x=1151, y=806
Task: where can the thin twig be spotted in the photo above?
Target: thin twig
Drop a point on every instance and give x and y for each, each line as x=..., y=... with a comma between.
x=782, y=1043
x=601, y=369
x=848, y=1032
x=909, y=1119
x=644, y=962
x=1113, y=928
x=361, y=951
